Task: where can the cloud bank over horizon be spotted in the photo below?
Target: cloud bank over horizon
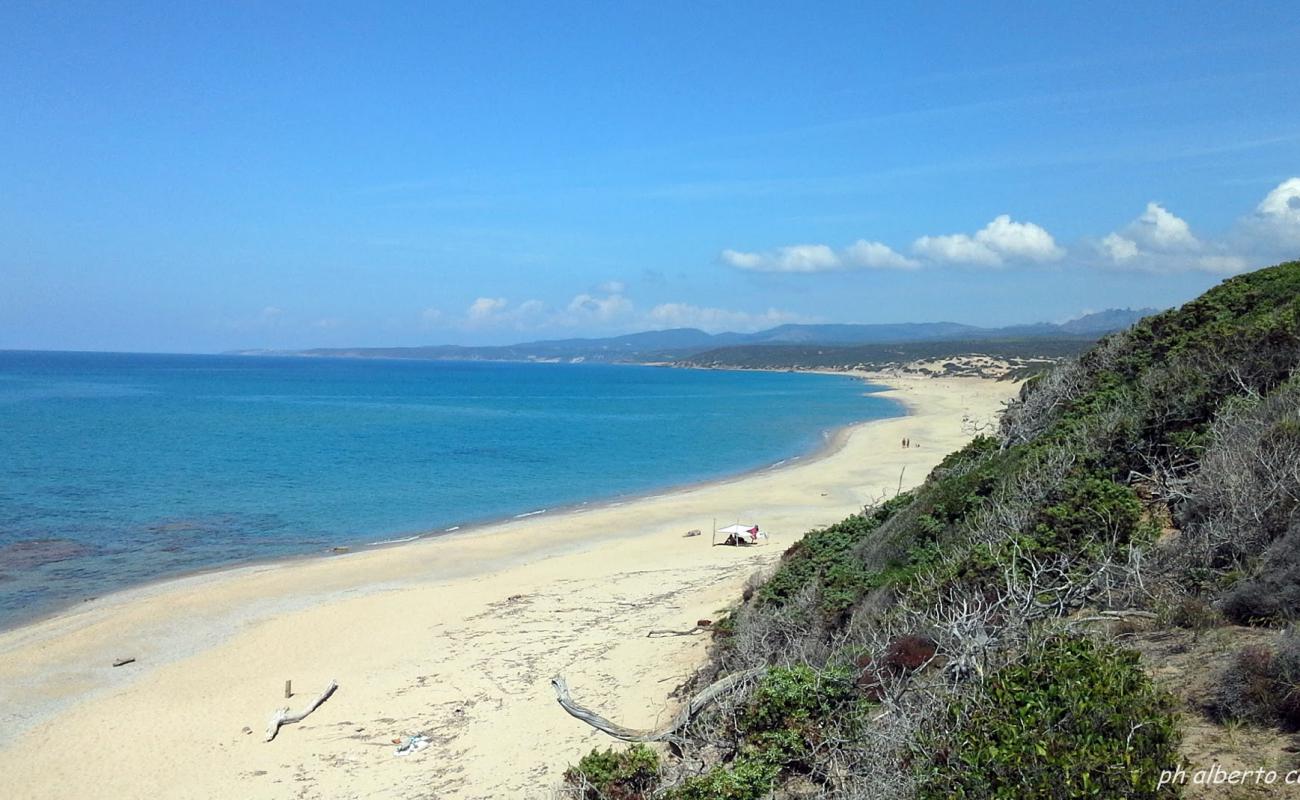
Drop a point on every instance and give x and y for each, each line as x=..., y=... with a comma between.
x=607, y=310
x=1156, y=241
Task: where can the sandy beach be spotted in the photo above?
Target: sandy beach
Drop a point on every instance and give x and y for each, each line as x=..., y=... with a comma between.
x=455, y=637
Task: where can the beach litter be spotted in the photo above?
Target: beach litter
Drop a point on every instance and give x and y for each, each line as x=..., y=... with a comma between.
x=122, y=662
x=413, y=744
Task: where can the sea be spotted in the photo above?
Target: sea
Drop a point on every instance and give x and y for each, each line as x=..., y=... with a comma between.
x=119, y=469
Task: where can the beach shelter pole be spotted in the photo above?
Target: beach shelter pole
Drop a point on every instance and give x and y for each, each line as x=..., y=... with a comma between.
x=713, y=540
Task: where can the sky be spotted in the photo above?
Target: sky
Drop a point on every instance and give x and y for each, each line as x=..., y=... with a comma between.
x=189, y=177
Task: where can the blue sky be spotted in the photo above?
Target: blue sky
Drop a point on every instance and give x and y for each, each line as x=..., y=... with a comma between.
x=201, y=177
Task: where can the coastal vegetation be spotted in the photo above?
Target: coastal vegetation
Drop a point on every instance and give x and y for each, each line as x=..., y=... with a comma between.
x=775, y=347
x=1055, y=609
x=1014, y=358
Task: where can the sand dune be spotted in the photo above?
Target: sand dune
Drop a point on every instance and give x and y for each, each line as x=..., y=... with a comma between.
x=455, y=637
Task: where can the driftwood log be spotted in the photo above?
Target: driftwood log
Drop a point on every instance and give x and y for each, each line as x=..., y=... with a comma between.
x=700, y=625
x=697, y=704
x=283, y=717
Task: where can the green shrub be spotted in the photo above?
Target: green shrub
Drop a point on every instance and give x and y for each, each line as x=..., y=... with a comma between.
x=886, y=510
x=960, y=484
x=789, y=697
x=1092, y=509
x=1074, y=719
x=822, y=558
x=743, y=779
x=611, y=774
x=790, y=711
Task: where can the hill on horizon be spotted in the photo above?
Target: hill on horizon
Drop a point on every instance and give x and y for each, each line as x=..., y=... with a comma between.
x=676, y=344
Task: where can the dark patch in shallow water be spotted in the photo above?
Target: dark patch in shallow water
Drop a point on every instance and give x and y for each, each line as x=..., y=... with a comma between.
x=220, y=524
x=39, y=552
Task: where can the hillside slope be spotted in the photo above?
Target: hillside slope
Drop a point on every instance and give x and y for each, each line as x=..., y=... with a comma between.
x=994, y=632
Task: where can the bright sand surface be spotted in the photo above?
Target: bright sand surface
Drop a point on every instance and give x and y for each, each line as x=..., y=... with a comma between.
x=454, y=636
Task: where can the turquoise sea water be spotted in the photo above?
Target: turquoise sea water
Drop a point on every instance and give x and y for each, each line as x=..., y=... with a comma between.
x=116, y=469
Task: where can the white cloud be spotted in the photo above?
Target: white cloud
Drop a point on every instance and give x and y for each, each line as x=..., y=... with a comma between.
x=585, y=309
x=1278, y=214
x=741, y=260
x=486, y=307
x=616, y=312
x=875, y=255
x=486, y=312
x=956, y=248
x=794, y=258
x=1162, y=242
x=613, y=287
x=819, y=258
x=1019, y=240
x=1160, y=230
x=1000, y=241
x=1217, y=263
x=684, y=315
x=1283, y=201
x=1157, y=240
x=609, y=308
x=1119, y=248
x=1227, y=265
x=807, y=258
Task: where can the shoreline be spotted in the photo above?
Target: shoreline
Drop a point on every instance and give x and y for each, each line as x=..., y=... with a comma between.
x=453, y=636
x=832, y=440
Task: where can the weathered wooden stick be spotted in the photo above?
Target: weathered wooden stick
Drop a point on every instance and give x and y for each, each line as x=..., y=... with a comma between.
x=283, y=717
x=122, y=662
x=288, y=689
x=697, y=704
x=666, y=632
x=1111, y=616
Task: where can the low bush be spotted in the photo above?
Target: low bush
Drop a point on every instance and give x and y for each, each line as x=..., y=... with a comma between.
x=789, y=712
x=1243, y=505
x=1073, y=719
x=1286, y=658
x=1091, y=510
x=905, y=655
x=629, y=774
x=825, y=559
x=1247, y=687
x=743, y=779
x=790, y=696
x=1262, y=684
x=1270, y=593
x=788, y=715
x=1193, y=613
x=821, y=557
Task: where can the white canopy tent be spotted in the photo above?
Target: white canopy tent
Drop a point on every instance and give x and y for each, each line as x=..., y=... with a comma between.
x=740, y=533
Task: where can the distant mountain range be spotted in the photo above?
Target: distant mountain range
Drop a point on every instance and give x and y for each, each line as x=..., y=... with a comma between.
x=681, y=343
